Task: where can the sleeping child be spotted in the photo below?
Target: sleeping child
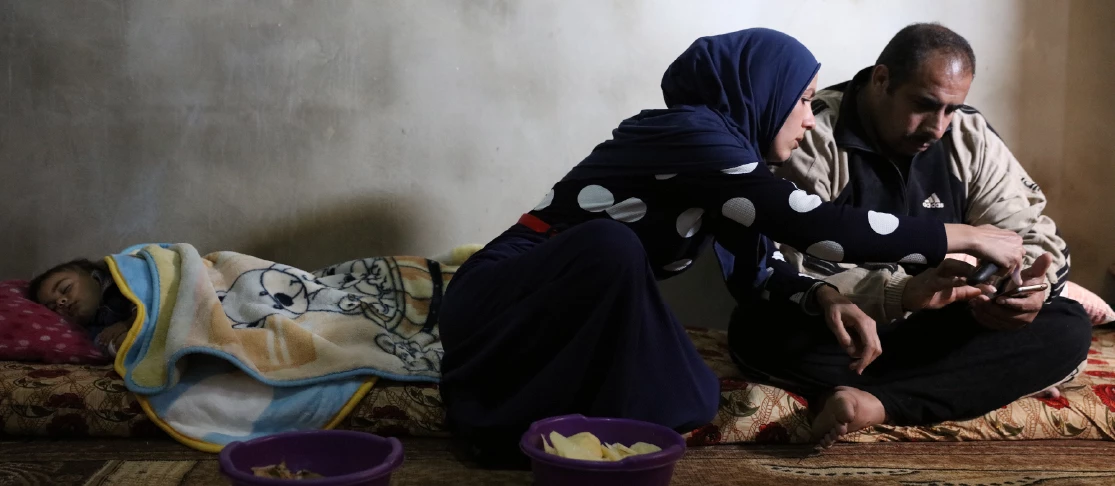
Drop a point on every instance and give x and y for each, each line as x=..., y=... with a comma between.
x=84, y=293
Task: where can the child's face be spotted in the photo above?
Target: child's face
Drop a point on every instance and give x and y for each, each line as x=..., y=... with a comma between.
x=73, y=294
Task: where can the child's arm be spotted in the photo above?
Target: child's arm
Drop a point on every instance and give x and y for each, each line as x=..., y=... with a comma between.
x=113, y=336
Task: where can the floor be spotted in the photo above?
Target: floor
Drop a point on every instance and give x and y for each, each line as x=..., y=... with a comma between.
x=432, y=462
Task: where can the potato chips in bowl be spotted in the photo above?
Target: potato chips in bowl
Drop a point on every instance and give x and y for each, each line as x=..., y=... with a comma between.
x=587, y=451
x=587, y=447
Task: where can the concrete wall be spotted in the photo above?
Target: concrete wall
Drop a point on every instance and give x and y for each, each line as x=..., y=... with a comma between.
x=312, y=132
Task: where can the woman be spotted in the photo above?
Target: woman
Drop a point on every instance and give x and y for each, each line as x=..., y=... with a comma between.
x=562, y=313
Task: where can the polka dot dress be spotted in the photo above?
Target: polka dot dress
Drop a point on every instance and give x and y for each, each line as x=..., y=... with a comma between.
x=677, y=215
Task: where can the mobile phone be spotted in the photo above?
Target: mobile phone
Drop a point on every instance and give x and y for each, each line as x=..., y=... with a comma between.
x=982, y=273
x=1026, y=289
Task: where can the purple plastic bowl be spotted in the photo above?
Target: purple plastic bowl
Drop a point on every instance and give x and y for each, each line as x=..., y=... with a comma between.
x=345, y=458
x=642, y=470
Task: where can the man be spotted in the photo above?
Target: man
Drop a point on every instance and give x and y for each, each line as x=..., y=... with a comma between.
x=898, y=139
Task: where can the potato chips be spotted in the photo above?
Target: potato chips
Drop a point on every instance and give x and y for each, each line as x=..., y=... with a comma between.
x=280, y=471
x=587, y=447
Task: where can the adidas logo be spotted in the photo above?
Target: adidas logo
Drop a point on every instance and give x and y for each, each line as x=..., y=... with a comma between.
x=933, y=202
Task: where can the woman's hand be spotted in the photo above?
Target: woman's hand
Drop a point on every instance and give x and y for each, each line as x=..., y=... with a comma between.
x=842, y=316
x=1002, y=247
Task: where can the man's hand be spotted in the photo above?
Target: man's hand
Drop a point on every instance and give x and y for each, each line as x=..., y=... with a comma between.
x=940, y=286
x=113, y=336
x=1005, y=313
x=842, y=315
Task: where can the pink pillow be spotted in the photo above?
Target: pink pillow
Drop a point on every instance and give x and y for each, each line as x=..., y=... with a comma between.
x=1098, y=310
x=31, y=332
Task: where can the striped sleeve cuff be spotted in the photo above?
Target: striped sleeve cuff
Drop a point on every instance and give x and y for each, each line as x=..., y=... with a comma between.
x=809, y=304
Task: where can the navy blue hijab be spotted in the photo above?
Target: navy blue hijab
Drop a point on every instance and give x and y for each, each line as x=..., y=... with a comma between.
x=727, y=97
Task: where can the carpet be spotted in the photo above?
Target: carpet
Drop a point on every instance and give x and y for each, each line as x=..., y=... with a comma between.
x=127, y=462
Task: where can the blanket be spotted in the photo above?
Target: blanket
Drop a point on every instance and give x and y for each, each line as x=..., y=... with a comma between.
x=229, y=347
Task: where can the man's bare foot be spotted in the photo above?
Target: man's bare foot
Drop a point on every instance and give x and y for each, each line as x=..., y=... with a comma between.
x=846, y=410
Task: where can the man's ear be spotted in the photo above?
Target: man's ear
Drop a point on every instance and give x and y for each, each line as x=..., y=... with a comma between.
x=880, y=78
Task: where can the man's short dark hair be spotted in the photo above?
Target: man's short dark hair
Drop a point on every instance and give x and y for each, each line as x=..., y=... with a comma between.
x=913, y=45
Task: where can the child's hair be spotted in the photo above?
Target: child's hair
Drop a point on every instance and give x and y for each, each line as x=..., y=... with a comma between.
x=80, y=264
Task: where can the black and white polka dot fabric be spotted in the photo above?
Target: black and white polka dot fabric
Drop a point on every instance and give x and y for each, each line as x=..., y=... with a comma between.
x=677, y=215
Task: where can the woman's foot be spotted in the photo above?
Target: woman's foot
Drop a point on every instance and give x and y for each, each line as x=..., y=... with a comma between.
x=1051, y=393
x=846, y=410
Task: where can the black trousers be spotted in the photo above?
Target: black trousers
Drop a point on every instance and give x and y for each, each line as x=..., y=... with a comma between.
x=936, y=365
